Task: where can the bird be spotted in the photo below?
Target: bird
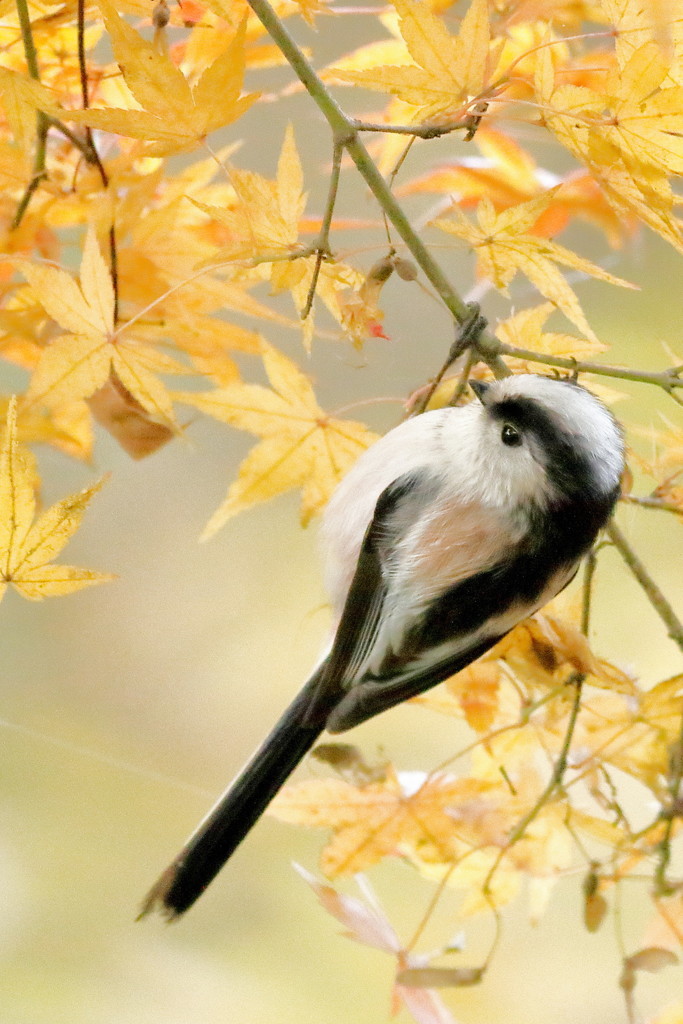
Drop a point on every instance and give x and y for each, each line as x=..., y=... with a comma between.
x=448, y=531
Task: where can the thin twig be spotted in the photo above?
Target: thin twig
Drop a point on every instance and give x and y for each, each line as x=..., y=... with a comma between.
x=420, y=131
x=587, y=590
x=666, y=379
x=654, y=594
x=83, y=144
x=649, y=502
x=670, y=814
x=94, y=155
x=42, y=121
x=322, y=246
x=465, y=340
x=554, y=783
x=461, y=386
x=346, y=134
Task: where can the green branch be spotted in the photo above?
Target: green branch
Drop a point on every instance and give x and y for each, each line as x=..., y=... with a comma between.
x=654, y=594
x=42, y=121
x=666, y=379
x=346, y=134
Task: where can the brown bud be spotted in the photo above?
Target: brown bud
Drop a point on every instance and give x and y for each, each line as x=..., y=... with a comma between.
x=405, y=269
x=161, y=14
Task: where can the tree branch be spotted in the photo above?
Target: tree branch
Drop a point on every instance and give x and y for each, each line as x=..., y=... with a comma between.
x=654, y=594
x=346, y=135
x=420, y=131
x=666, y=379
x=322, y=246
x=42, y=122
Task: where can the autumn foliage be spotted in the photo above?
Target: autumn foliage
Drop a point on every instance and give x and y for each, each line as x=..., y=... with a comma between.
x=112, y=132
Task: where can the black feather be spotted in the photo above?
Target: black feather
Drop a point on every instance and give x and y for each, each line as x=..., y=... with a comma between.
x=240, y=807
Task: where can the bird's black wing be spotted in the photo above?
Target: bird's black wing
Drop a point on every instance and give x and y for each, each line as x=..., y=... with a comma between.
x=361, y=615
x=456, y=628
x=370, y=696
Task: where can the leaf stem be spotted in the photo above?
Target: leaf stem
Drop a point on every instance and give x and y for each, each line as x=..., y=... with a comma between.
x=94, y=155
x=346, y=135
x=654, y=594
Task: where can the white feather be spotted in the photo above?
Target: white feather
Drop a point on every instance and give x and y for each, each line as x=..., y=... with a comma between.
x=469, y=504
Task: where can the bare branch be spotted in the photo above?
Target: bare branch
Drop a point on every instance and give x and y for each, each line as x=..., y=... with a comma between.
x=655, y=596
x=42, y=123
x=322, y=246
x=668, y=380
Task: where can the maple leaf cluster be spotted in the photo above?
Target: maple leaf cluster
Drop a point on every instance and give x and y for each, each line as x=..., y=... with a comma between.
x=124, y=133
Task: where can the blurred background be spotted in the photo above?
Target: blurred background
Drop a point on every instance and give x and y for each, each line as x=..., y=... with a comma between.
x=125, y=709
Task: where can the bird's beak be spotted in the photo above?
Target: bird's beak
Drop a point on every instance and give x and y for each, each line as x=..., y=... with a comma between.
x=480, y=389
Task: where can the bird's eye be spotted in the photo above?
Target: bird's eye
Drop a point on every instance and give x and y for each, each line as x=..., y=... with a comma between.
x=510, y=435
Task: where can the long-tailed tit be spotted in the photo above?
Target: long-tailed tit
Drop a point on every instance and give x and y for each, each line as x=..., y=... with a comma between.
x=444, y=535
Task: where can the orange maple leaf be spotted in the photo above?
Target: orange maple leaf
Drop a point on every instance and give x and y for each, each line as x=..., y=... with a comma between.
x=375, y=821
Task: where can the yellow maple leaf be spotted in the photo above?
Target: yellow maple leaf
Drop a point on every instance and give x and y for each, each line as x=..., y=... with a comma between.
x=174, y=117
x=78, y=363
x=263, y=221
x=646, y=122
x=447, y=70
x=630, y=142
x=476, y=689
x=525, y=330
x=68, y=428
x=508, y=175
x=14, y=165
x=636, y=23
x=28, y=545
x=301, y=446
x=21, y=98
x=504, y=246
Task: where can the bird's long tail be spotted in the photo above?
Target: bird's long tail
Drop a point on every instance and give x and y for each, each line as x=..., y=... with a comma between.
x=237, y=810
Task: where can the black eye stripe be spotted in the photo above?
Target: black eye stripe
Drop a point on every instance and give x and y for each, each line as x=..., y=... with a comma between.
x=567, y=465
